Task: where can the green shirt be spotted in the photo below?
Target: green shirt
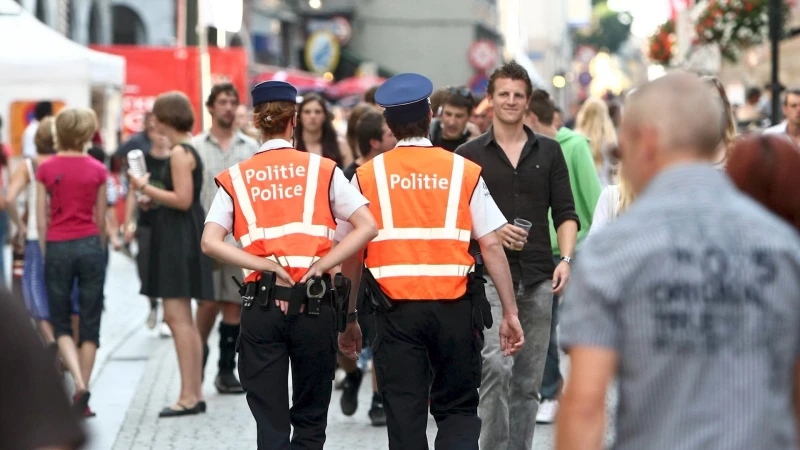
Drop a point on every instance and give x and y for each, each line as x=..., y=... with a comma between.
x=583, y=180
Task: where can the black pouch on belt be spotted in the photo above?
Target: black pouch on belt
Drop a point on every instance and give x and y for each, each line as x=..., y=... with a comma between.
x=379, y=299
x=266, y=289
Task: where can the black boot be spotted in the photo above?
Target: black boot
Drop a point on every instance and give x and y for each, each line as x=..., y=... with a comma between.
x=205, y=359
x=349, y=401
x=377, y=414
x=226, y=382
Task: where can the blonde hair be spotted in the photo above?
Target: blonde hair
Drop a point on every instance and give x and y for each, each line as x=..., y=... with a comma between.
x=625, y=194
x=594, y=122
x=44, y=139
x=74, y=128
x=729, y=125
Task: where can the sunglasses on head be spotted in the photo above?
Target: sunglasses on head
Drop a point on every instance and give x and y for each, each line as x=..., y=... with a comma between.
x=462, y=91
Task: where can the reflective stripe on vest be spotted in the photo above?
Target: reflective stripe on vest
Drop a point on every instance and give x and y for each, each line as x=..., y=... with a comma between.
x=305, y=227
x=421, y=270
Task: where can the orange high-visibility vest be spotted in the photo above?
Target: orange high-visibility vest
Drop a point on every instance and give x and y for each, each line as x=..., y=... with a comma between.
x=282, y=208
x=420, y=198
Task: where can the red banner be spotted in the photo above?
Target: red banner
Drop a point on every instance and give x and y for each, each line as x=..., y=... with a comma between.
x=155, y=70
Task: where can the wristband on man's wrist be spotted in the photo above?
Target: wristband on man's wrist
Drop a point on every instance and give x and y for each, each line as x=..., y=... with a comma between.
x=352, y=317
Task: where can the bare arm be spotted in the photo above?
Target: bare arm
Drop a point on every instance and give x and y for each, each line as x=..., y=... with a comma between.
x=352, y=269
x=364, y=230
x=18, y=182
x=512, y=338
x=41, y=214
x=213, y=244
x=497, y=265
x=181, y=165
x=101, y=207
x=130, y=208
x=567, y=237
x=581, y=414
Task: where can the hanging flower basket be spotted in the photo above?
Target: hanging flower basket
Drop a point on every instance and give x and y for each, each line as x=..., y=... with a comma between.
x=660, y=49
x=735, y=25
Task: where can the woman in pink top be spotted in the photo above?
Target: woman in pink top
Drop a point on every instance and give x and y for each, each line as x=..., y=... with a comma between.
x=71, y=211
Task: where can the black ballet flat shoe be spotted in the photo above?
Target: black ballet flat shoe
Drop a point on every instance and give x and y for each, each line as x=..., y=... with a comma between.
x=184, y=411
x=202, y=405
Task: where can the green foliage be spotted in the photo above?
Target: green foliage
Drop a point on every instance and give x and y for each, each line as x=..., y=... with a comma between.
x=609, y=29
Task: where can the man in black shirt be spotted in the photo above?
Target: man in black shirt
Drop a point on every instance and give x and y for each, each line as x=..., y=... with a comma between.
x=452, y=127
x=527, y=175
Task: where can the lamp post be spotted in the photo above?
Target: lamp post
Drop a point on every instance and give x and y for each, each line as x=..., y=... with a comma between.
x=775, y=37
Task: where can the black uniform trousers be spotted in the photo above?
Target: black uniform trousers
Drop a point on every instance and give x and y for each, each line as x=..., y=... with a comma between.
x=268, y=342
x=417, y=340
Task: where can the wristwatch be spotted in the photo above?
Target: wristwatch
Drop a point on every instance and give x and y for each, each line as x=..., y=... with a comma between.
x=352, y=317
x=567, y=259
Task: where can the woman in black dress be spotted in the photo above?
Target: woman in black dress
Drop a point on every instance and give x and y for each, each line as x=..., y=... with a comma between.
x=178, y=269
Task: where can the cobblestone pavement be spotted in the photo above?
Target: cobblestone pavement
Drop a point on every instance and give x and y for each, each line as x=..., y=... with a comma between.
x=137, y=375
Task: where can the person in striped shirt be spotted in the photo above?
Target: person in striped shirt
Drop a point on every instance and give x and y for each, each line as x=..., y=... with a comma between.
x=691, y=299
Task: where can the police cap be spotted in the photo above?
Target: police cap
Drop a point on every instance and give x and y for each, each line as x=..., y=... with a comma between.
x=405, y=97
x=273, y=91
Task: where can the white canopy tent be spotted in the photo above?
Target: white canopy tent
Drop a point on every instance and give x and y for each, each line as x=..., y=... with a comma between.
x=38, y=63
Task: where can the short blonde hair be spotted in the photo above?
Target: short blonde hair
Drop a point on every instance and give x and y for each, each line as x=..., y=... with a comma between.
x=74, y=128
x=44, y=137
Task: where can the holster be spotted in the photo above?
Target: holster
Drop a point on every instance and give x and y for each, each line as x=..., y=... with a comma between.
x=341, y=299
x=476, y=289
x=379, y=300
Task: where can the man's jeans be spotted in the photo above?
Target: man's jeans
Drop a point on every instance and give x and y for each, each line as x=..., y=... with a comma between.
x=551, y=382
x=510, y=385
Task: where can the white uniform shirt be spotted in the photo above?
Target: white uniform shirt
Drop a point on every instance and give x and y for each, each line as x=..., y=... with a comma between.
x=344, y=198
x=486, y=216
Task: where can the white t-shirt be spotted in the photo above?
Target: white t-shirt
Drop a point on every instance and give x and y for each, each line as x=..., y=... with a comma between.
x=486, y=216
x=607, y=208
x=28, y=141
x=344, y=198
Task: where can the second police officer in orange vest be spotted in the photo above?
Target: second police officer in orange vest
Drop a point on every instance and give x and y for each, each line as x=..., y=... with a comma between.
x=429, y=203
x=281, y=206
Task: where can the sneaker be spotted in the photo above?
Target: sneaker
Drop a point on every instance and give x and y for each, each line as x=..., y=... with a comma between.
x=152, y=318
x=547, y=411
x=164, y=330
x=349, y=401
x=377, y=414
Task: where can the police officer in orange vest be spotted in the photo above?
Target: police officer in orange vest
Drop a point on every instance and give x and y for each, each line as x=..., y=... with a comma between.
x=429, y=203
x=281, y=206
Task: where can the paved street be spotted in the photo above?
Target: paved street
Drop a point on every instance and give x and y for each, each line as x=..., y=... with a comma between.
x=137, y=375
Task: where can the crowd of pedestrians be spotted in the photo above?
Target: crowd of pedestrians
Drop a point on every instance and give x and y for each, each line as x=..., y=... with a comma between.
x=652, y=239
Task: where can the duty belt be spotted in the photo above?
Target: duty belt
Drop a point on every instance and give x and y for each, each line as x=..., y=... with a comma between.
x=316, y=292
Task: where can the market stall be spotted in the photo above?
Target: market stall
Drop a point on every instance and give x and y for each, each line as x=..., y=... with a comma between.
x=39, y=64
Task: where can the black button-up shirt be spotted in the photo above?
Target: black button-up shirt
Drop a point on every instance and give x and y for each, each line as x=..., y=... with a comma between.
x=539, y=183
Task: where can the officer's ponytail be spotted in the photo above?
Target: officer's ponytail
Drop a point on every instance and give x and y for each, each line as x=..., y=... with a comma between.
x=271, y=118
